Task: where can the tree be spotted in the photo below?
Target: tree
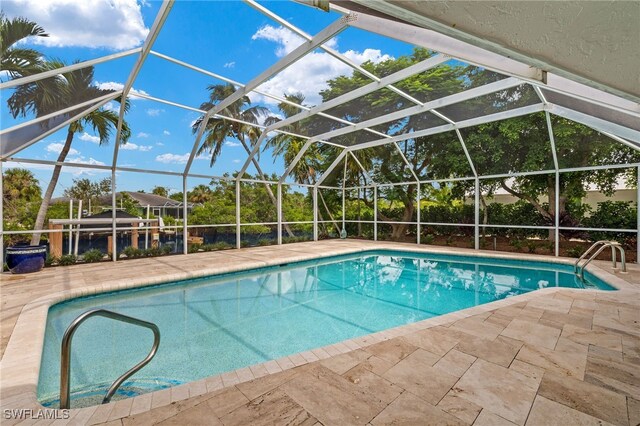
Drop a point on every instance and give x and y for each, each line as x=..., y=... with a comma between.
x=19, y=62
x=218, y=129
x=287, y=146
x=161, y=191
x=88, y=191
x=71, y=88
x=513, y=145
x=200, y=194
x=21, y=193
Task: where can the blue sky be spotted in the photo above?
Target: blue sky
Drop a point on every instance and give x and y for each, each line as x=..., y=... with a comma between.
x=229, y=38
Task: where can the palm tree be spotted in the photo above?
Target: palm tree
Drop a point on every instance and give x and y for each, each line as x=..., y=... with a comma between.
x=71, y=88
x=200, y=194
x=288, y=146
x=19, y=62
x=218, y=129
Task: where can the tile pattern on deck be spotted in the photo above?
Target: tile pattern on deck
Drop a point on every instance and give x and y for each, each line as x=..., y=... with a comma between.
x=552, y=357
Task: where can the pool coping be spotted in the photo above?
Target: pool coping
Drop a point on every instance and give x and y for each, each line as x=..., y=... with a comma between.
x=20, y=364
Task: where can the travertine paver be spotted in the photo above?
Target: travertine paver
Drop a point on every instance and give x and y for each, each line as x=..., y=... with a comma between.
x=557, y=357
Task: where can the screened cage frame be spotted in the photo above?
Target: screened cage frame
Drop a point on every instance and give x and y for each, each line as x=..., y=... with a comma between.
x=445, y=48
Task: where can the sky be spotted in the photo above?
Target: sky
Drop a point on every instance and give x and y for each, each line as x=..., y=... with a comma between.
x=228, y=38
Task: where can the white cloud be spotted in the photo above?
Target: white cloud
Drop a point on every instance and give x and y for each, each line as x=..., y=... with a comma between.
x=173, y=158
x=89, y=138
x=310, y=74
x=169, y=158
x=159, y=144
x=237, y=161
x=114, y=24
x=56, y=148
x=154, y=112
x=114, y=85
x=142, y=135
x=230, y=143
x=111, y=106
x=166, y=133
x=230, y=64
x=82, y=160
x=129, y=146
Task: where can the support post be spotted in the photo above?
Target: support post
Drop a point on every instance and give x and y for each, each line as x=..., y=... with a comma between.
x=344, y=184
x=185, y=225
x=556, y=218
x=279, y=214
x=477, y=215
x=315, y=213
x=638, y=214
x=70, y=226
x=238, y=242
x=114, y=235
x=375, y=213
x=418, y=199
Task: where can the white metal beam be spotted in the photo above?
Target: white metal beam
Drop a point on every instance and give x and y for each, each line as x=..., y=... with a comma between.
x=366, y=174
x=449, y=127
x=65, y=69
x=330, y=31
x=61, y=125
x=331, y=167
x=437, y=103
x=364, y=90
x=339, y=56
x=595, y=123
x=161, y=17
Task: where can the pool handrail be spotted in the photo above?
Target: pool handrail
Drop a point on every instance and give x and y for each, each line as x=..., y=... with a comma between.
x=65, y=357
x=604, y=244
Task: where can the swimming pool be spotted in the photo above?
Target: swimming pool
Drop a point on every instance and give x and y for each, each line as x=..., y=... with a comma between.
x=225, y=322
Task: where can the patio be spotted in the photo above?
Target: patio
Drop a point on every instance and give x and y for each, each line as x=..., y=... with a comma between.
x=553, y=356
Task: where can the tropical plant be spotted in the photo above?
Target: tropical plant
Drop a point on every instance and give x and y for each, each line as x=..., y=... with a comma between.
x=200, y=194
x=218, y=129
x=19, y=61
x=287, y=146
x=160, y=190
x=88, y=191
x=74, y=87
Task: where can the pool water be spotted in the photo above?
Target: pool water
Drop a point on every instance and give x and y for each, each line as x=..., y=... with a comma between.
x=221, y=323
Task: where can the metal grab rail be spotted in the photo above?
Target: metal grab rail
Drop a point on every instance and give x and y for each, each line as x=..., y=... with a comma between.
x=65, y=358
x=604, y=244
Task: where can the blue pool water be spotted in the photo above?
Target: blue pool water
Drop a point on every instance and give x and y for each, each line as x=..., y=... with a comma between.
x=221, y=323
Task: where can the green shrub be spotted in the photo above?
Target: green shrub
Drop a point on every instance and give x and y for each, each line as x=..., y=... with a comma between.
x=50, y=260
x=429, y=238
x=517, y=243
x=244, y=243
x=221, y=245
x=531, y=246
x=194, y=248
x=93, y=255
x=67, y=259
x=575, y=251
x=449, y=240
x=131, y=252
x=264, y=242
x=614, y=215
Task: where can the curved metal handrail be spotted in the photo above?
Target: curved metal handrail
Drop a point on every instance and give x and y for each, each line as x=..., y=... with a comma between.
x=65, y=357
x=604, y=243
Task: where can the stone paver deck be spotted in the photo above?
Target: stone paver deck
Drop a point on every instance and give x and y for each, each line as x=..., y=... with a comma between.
x=555, y=356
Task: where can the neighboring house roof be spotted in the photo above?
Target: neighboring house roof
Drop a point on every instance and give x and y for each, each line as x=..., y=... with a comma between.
x=141, y=198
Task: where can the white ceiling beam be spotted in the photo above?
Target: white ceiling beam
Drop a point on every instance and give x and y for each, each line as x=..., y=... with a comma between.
x=66, y=69
x=330, y=31
x=595, y=123
x=61, y=125
x=517, y=112
x=364, y=90
x=161, y=17
x=331, y=167
x=438, y=103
